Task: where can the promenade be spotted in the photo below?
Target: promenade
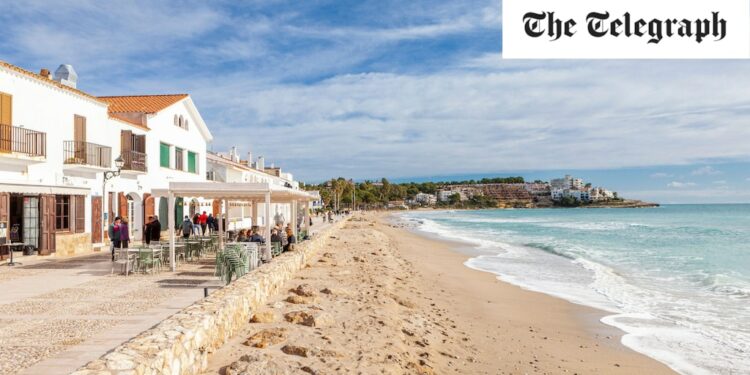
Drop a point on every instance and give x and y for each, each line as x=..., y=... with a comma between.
x=61, y=313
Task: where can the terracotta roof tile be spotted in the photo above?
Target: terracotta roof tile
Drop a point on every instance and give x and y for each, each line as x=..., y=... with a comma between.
x=141, y=103
x=49, y=81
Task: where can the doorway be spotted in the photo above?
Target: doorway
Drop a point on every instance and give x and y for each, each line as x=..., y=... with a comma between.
x=24, y=220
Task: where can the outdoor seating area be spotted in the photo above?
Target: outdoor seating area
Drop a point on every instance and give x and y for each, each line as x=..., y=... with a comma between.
x=154, y=257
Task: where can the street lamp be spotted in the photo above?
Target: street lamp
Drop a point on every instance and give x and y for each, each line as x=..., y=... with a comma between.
x=108, y=175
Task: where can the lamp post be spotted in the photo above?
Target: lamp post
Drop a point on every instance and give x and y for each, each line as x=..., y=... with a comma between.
x=108, y=175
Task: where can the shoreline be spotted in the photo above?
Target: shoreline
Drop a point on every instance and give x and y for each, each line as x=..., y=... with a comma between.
x=589, y=321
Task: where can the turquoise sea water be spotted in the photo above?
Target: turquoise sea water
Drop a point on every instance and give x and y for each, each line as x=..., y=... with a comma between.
x=676, y=278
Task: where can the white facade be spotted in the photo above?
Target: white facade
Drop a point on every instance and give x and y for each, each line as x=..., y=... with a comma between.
x=40, y=104
x=423, y=198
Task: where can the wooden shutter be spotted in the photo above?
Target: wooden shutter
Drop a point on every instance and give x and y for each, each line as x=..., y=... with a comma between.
x=79, y=129
x=96, y=219
x=6, y=121
x=6, y=109
x=47, y=209
x=111, y=207
x=79, y=212
x=140, y=143
x=126, y=148
x=122, y=208
x=149, y=205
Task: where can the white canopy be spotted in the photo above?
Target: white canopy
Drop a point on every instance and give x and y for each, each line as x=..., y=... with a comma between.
x=231, y=191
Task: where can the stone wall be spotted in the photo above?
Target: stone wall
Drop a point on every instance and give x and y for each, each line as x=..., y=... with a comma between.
x=70, y=244
x=181, y=343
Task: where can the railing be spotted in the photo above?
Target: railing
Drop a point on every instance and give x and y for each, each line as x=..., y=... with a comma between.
x=134, y=161
x=84, y=153
x=22, y=141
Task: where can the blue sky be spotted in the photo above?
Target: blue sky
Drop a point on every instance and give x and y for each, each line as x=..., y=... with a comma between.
x=366, y=89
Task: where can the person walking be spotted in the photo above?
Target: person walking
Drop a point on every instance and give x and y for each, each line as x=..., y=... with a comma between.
x=203, y=221
x=196, y=224
x=147, y=230
x=211, y=223
x=187, y=227
x=156, y=229
x=114, y=235
x=124, y=233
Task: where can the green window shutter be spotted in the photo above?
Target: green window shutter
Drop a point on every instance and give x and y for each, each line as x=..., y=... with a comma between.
x=164, y=153
x=192, y=167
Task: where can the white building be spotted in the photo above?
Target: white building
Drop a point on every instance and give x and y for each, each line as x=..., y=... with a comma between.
x=425, y=199
x=56, y=141
x=230, y=168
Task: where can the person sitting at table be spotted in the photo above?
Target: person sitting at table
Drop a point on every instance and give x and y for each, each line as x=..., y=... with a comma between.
x=124, y=233
x=290, y=239
x=242, y=236
x=256, y=237
x=275, y=236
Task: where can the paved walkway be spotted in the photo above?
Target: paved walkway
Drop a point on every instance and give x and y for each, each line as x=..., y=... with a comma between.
x=57, y=314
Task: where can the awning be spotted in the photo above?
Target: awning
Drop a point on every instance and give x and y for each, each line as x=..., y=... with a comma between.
x=31, y=189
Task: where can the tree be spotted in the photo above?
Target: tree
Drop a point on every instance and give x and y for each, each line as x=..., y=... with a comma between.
x=454, y=199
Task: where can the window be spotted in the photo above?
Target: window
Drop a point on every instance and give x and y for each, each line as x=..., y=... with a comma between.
x=192, y=162
x=164, y=155
x=182, y=121
x=176, y=120
x=185, y=125
x=178, y=159
x=62, y=212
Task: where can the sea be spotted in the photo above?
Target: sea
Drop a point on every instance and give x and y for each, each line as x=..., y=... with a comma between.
x=675, y=278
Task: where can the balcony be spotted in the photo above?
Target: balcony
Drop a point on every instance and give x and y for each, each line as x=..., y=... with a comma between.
x=85, y=156
x=22, y=146
x=135, y=162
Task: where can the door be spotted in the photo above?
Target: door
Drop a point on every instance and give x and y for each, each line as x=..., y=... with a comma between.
x=30, y=227
x=96, y=219
x=6, y=121
x=79, y=138
x=47, y=208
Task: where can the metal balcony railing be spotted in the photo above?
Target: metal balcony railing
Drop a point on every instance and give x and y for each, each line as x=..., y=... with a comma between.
x=23, y=141
x=134, y=161
x=85, y=153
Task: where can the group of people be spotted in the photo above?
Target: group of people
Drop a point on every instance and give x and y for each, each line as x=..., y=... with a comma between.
x=119, y=234
x=199, y=225
x=284, y=236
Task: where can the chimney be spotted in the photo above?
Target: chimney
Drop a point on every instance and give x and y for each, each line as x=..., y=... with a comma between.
x=44, y=73
x=233, y=154
x=66, y=75
x=250, y=159
x=261, y=164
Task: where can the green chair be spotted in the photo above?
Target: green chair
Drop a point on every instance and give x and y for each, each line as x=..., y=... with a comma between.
x=146, y=260
x=276, y=248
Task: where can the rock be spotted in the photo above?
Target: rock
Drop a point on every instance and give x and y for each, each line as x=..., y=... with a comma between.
x=266, y=338
x=317, y=319
x=299, y=300
x=305, y=290
x=295, y=350
x=278, y=305
x=308, y=370
x=263, y=317
x=327, y=291
x=254, y=364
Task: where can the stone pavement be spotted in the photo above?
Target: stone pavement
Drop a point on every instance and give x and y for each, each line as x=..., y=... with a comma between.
x=59, y=314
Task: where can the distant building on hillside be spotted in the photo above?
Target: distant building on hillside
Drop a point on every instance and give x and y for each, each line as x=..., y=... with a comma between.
x=425, y=199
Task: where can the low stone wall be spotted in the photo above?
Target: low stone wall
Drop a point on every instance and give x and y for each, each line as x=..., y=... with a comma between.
x=181, y=343
x=71, y=244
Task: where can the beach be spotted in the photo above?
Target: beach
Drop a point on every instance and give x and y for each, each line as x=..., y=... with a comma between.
x=381, y=299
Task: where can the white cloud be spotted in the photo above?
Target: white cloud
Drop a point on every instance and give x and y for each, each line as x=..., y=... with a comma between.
x=705, y=171
x=680, y=185
x=661, y=175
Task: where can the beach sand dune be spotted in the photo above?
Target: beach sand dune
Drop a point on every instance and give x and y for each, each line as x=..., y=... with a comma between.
x=381, y=300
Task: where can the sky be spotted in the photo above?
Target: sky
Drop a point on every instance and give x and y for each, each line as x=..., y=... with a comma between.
x=408, y=90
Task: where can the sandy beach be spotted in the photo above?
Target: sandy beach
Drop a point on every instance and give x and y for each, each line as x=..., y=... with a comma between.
x=380, y=299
